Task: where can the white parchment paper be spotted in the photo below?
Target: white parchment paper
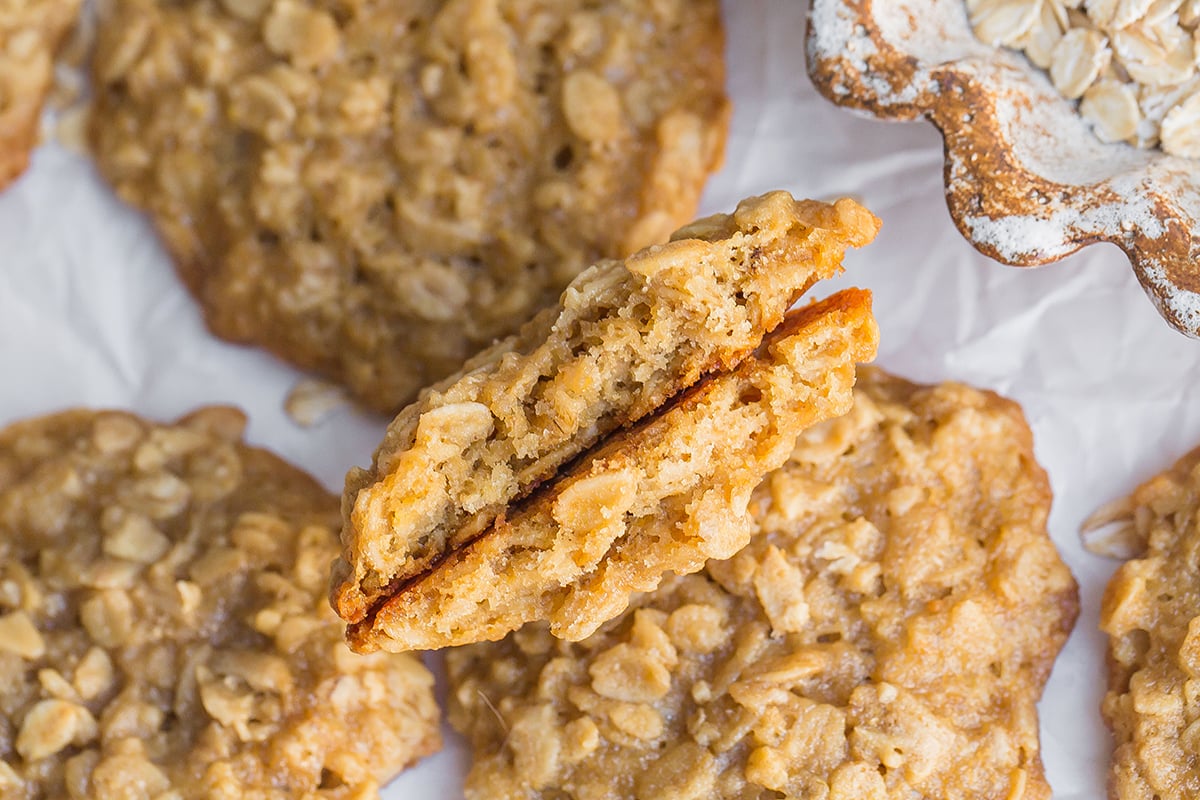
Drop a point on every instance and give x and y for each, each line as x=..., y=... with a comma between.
x=91, y=313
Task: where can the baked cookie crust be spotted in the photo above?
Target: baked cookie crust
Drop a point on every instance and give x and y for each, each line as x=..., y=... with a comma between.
x=375, y=191
x=885, y=635
x=1151, y=613
x=624, y=338
x=661, y=497
x=163, y=625
x=31, y=32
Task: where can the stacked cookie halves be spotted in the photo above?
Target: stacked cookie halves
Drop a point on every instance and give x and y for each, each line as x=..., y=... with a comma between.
x=615, y=438
x=696, y=562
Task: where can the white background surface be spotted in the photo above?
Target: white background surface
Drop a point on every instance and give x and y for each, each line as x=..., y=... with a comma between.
x=91, y=314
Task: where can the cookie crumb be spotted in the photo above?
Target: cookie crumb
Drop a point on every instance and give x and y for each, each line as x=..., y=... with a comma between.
x=311, y=401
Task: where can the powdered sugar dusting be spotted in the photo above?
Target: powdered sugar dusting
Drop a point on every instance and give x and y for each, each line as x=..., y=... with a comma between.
x=1180, y=303
x=1032, y=239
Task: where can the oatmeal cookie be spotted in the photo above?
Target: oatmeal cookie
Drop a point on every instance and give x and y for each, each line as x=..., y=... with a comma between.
x=885, y=635
x=376, y=190
x=625, y=337
x=163, y=625
x=1151, y=613
x=663, y=496
x=30, y=34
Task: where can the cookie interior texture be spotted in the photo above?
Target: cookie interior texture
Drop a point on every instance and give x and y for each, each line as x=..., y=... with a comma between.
x=377, y=190
x=885, y=635
x=663, y=496
x=30, y=34
x=163, y=624
x=1151, y=613
x=625, y=337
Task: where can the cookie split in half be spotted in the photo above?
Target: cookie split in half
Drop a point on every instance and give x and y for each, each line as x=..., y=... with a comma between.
x=663, y=496
x=163, y=624
x=625, y=337
x=885, y=635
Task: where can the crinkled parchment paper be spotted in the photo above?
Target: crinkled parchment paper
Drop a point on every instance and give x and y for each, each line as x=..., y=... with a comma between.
x=92, y=314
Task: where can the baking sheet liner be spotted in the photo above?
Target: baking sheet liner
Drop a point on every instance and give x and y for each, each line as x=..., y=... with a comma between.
x=91, y=314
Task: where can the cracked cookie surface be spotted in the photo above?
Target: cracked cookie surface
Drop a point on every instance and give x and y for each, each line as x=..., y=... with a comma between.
x=886, y=634
x=1151, y=613
x=374, y=190
x=625, y=337
x=661, y=497
x=30, y=34
x=163, y=624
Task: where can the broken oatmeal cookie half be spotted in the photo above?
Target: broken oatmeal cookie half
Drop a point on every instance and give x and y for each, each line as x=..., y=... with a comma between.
x=163, y=624
x=662, y=496
x=885, y=635
x=625, y=337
